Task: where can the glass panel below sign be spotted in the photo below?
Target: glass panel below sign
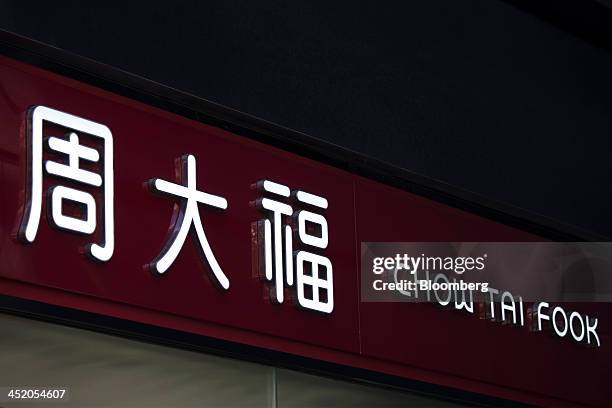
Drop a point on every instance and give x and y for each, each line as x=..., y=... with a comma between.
x=99, y=370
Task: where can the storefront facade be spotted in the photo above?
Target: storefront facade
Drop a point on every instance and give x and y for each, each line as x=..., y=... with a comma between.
x=136, y=211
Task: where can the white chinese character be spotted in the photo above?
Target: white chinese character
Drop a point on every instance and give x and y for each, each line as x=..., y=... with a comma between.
x=75, y=152
x=188, y=215
x=313, y=276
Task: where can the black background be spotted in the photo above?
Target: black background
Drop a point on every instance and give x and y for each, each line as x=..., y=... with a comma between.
x=496, y=99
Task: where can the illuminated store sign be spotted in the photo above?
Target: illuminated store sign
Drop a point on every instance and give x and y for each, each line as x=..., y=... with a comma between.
x=313, y=271
x=523, y=284
x=229, y=230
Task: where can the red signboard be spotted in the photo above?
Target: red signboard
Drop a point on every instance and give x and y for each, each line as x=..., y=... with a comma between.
x=56, y=266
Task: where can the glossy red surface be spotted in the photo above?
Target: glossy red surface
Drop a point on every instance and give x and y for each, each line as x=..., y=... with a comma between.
x=415, y=341
x=430, y=336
